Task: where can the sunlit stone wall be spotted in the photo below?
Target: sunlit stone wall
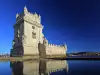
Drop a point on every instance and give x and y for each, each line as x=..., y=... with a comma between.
x=52, y=49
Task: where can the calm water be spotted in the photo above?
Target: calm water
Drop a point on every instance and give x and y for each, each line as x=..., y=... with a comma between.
x=50, y=67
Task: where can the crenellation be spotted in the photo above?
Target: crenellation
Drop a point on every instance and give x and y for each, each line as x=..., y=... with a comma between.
x=29, y=16
x=55, y=46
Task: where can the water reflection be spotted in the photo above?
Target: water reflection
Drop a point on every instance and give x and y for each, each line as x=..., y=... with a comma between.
x=38, y=67
x=17, y=68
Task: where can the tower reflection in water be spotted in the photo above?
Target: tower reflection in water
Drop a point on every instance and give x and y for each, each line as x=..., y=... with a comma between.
x=39, y=67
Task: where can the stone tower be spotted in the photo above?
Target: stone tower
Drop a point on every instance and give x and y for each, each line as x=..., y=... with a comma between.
x=29, y=39
x=27, y=34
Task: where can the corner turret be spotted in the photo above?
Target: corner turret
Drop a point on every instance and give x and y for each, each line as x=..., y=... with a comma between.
x=25, y=10
x=65, y=46
x=45, y=41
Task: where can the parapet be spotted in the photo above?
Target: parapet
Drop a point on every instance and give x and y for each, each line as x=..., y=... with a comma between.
x=28, y=16
x=56, y=46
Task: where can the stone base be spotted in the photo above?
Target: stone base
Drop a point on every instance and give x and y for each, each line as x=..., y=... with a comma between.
x=31, y=57
x=37, y=56
x=25, y=57
x=56, y=56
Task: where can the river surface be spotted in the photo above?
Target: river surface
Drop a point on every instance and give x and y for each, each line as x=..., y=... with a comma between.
x=50, y=67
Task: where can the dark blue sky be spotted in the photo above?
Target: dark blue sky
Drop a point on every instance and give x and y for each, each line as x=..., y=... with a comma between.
x=77, y=22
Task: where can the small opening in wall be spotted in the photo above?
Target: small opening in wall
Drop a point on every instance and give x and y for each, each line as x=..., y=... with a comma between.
x=33, y=27
x=33, y=35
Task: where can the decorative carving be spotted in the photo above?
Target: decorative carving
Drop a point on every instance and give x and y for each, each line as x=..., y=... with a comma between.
x=33, y=17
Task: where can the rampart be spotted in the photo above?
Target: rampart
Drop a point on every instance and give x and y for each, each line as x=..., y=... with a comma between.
x=52, y=49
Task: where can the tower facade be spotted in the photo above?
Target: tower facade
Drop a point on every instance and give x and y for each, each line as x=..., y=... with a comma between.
x=27, y=33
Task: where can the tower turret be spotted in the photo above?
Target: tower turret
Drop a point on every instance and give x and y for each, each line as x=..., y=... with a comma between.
x=25, y=10
x=65, y=46
x=45, y=41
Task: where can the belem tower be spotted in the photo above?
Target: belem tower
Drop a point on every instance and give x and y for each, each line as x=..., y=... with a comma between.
x=29, y=39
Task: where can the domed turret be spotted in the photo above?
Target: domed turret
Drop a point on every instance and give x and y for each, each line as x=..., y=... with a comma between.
x=45, y=41
x=25, y=10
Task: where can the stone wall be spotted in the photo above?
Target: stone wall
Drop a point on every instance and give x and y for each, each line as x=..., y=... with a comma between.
x=52, y=49
x=30, y=50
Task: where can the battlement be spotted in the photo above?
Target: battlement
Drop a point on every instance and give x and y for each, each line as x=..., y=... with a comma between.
x=28, y=16
x=52, y=49
x=54, y=45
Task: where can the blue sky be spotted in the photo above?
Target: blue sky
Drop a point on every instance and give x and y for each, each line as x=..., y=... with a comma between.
x=77, y=22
